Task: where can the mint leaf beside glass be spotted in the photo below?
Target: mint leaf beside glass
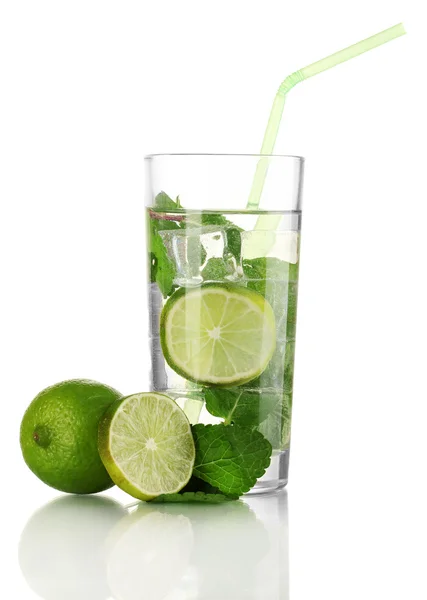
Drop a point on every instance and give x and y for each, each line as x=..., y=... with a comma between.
x=231, y=458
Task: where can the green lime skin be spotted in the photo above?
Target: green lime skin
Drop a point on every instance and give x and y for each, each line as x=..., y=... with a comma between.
x=59, y=436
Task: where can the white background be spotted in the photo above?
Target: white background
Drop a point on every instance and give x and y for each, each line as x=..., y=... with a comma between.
x=86, y=89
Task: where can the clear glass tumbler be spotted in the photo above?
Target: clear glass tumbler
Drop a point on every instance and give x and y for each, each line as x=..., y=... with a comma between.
x=223, y=284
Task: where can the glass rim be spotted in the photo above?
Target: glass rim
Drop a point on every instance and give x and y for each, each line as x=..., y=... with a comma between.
x=222, y=155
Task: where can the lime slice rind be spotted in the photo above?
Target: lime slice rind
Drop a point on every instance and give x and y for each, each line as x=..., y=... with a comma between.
x=218, y=334
x=146, y=445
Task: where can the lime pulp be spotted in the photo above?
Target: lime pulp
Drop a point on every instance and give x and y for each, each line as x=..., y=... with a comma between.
x=218, y=334
x=146, y=445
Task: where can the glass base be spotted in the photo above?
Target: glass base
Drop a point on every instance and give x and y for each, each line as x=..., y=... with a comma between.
x=276, y=476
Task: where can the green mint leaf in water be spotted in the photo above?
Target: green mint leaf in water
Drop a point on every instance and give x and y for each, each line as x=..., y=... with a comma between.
x=266, y=409
x=162, y=268
x=288, y=371
x=241, y=406
x=276, y=280
x=277, y=426
x=275, y=386
x=270, y=268
x=292, y=310
x=280, y=370
x=234, y=241
x=215, y=270
x=230, y=457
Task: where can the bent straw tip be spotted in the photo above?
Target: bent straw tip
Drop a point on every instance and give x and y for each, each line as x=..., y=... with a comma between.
x=400, y=29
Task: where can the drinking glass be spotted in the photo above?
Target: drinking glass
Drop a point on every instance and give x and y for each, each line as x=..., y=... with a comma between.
x=218, y=359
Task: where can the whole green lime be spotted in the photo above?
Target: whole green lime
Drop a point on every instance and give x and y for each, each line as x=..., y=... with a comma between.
x=59, y=436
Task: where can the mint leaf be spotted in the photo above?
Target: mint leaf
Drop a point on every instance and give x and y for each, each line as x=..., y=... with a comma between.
x=288, y=372
x=192, y=497
x=230, y=457
x=280, y=370
x=162, y=269
x=247, y=407
x=277, y=281
x=234, y=241
x=198, y=485
x=265, y=409
x=165, y=202
x=270, y=268
x=277, y=426
x=292, y=309
x=196, y=490
x=215, y=270
x=277, y=379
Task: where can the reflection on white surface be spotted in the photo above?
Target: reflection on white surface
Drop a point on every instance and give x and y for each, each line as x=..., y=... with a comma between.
x=94, y=548
x=62, y=552
x=148, y=554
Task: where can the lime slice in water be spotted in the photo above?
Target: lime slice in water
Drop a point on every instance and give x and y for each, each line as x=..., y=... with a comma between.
x=218, y=334
x=146, y=445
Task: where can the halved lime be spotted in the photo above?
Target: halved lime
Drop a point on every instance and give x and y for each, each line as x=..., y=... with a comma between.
x=218, y=334
x=146, y=445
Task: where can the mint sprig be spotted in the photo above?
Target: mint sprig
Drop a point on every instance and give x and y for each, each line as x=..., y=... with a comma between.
x=231, y=458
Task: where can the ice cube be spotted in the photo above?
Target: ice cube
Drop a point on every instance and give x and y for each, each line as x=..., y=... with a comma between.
x=191, y=248
x=278, y=244
x=213, y=241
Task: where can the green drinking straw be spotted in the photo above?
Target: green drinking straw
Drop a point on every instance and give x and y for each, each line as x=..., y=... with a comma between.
x=270, y=222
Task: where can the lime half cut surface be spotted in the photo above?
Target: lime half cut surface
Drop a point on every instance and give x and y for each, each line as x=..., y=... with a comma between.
x=146, y=445
x=216, y=334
